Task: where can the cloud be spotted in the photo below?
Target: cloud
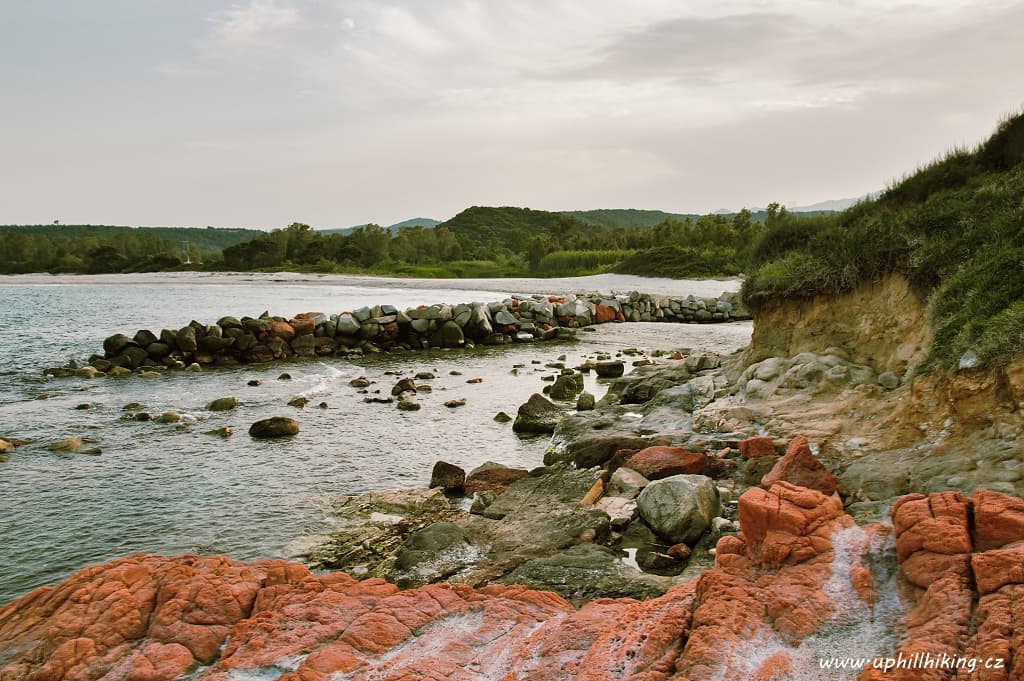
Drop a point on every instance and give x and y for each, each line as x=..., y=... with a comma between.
x=258, y=24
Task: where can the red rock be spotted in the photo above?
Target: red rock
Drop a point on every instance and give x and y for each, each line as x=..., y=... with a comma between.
x=998, y=568
x=282, y=330
x=148, y=618
x=788, y=524
x=495, y=480
x=998, y=520
x=659, y=462
x=800, y=467
x=303, y=326
x=932, y=536
x=604, y=314
x=756, y=447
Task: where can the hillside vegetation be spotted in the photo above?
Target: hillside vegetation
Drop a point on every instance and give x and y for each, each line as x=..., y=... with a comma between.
x=955, y=228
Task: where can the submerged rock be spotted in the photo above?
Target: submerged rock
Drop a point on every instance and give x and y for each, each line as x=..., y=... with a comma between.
x=274, y=427
x=223, y=404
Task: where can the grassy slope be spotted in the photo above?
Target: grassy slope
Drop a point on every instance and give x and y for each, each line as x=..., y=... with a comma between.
x=955, y=228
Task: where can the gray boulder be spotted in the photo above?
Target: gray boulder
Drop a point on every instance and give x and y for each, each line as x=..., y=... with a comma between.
x=680, y=508
x=537, y=415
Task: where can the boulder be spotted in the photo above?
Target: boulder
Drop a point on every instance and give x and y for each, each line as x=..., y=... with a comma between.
x=537, y=415
x=800, y=467
x=493, y=477
x=223, y=404
x=274, y=427
x=680, y=508
x=933, y=537
x=116, y=344
x=449, y=477
x=585, y=402
x=659, y=462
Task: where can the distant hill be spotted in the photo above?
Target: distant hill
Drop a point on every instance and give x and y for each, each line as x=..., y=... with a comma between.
x=491, y=228
x=412, y=222
x=626, y=217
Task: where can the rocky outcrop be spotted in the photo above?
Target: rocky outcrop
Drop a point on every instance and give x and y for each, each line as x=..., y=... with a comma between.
x=801, y=584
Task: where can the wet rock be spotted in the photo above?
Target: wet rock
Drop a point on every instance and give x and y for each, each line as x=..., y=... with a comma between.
x=800, y=467
x=254, y=382
x=436, y=552
x=452, y=404
x=424, y=376
x=610, y=368
x=274, y=427
x=481, y=500
x=224, y=431
x=537, y=415
x=597, y=450
x=68, y=446
x=404, y=385
x=223, y=404
x=566, y=386
x=360, y=382
x=680, y=508
x=118, y=343
x=449, y=477
x=474, y=381
x=493, y=477
x=406, y=402
x=584, y=572
x=502, y=417
x=659, y=462
x=585, y=402
x=285, y=377
x=300, y=402
x=168, y=417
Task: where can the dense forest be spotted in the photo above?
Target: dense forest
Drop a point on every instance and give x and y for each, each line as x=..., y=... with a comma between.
x=955, y=228
x=100, y=249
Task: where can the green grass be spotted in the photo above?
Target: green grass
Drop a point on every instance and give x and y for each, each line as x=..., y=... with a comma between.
x=955, y=228
x=682, y=262
x=579, y=263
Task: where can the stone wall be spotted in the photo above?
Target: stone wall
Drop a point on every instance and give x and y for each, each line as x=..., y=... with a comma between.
x=518, y=319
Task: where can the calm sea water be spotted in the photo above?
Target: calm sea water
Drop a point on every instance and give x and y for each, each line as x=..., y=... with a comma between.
x=162, y=488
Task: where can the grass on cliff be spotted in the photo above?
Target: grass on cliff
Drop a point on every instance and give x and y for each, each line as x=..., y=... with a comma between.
x=955, y=228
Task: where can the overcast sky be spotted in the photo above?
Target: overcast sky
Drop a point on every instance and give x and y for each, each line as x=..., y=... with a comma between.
x=338, y=112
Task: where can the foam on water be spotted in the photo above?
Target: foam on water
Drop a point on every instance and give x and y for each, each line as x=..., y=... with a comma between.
x=856, y=629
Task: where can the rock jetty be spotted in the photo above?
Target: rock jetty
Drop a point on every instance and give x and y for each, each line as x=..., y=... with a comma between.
x=366, y=330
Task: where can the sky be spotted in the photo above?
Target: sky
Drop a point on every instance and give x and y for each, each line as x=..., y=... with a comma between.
x=260, y=113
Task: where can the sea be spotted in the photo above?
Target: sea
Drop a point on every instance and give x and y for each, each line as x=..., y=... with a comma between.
x=171, y=488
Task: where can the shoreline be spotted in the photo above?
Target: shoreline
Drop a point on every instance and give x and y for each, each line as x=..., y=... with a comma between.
x=599, y=283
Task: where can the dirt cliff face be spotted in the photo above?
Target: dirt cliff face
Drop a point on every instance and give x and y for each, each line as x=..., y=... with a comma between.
x=885, y=327
x=882, y=324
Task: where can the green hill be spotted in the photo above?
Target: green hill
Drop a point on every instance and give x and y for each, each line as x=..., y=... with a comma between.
x=955, y=228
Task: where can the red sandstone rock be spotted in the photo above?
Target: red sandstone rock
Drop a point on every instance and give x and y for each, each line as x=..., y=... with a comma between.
x=603, y=314
x=932, y=536
x=756, y=447
x=659, y=462
x=998, y=520
x=303, y=326
x=282, y=330
x=147, y=618
x=495, y=480
x=788, y=524
x=800, y=467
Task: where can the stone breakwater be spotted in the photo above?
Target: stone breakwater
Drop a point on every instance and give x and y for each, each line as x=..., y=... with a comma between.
x=518, y=319
x=800, y=585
